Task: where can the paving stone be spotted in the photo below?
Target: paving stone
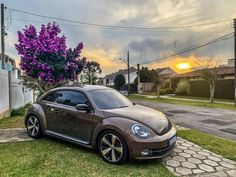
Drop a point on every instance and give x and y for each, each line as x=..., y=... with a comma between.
x=198, y=156
x=227, y=165
x=216, y=159
x=172, y=163
x=219, y=174
x=194, y=160
x=229, y=161
x=189, y=159
x=179, y=159
x=231, y=173
x=188, y=165
x=195, y=149
x=197, y=171
x=183, y=171
x=206, y=168
x=220, y=168
x=177, y=150
x=182, y=154
x=211, y=163
x=182, y=147
x=203, y=153
x=170, y=169
x=190, y=152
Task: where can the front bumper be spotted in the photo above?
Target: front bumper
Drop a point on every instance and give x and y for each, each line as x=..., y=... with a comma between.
x=153, y=148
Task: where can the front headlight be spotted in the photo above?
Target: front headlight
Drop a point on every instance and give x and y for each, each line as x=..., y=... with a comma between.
x=141, y=131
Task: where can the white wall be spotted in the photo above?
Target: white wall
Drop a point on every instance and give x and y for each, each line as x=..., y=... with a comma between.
x=132, y=75
x=4, y=92
x=20, y=95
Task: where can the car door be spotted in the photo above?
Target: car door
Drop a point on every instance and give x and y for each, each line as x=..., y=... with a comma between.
x=75, y=123
x=53, y=111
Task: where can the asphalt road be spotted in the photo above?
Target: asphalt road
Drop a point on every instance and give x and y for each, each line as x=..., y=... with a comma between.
x=215, y=121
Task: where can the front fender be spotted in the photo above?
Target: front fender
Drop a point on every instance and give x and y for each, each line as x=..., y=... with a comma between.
x=118, y=124
x=37, y=110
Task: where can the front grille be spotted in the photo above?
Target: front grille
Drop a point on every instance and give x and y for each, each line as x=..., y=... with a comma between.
x=160, y=152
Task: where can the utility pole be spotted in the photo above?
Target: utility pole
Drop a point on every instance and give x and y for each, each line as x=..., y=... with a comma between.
x=235, y=62
x=138, y=86
x=128, y=73
x=2, y=37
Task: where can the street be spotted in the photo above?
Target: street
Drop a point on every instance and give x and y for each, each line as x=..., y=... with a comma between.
x=215, y=121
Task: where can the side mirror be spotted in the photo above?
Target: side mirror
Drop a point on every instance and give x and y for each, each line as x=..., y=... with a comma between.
x=83, y=107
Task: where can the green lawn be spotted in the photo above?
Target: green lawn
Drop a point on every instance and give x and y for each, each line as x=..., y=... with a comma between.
x=181, y=102
x=12, y=122
x=226, y=148
x=48, y=157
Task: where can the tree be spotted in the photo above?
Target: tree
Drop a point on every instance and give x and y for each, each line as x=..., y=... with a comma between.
x=209, y=73
x=91, y=72
x=45, y=59
x=147, y=75
x=119, y=81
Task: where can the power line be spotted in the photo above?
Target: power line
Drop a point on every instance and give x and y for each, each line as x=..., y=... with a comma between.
x=193, y=48
x=117, y=26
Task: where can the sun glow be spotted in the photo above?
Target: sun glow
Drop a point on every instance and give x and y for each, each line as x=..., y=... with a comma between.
x=183, y=66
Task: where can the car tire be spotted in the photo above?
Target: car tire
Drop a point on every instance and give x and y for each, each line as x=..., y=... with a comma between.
x=112, y=147
x=33, y=127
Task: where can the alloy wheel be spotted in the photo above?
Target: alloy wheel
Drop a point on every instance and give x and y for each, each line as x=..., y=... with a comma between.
x=111, y=147
x=33, y=126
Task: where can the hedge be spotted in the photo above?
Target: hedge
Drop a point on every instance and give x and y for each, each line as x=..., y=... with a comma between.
x=224, y=88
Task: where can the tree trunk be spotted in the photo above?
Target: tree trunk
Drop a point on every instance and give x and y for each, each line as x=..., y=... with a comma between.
x=158, y=91
x=212, y=92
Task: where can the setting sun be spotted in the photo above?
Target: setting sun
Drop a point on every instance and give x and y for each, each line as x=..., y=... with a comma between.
x=183, y=66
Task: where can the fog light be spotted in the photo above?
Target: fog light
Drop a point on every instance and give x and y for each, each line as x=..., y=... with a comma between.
x=145, y=152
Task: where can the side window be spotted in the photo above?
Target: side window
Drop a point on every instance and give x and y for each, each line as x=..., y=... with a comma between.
x=71, y=98
x=50, y=97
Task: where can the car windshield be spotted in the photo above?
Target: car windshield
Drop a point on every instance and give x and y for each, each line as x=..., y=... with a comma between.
x=109, y=99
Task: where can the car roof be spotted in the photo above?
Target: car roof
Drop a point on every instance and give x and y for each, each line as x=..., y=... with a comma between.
x=83, y=87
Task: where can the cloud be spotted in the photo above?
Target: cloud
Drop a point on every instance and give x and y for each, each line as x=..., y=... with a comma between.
x=106, y=45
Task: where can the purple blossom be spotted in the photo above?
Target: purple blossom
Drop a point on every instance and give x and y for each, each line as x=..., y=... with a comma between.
x=44, y=54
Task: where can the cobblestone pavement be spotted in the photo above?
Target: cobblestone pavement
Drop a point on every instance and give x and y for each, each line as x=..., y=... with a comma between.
x=13, y=135
x=189, y=159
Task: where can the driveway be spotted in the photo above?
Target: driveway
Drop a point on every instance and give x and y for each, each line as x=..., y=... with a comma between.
x=219, y=122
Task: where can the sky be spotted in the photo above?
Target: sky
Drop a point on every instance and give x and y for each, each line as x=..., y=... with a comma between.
x=107, y=45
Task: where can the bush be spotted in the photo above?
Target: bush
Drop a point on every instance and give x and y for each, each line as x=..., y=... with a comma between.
x=170, y=91
x=162, y=91
x=182, y=88
x=18, y=112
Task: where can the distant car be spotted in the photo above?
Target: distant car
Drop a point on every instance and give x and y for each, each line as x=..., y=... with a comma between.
x=101, y=118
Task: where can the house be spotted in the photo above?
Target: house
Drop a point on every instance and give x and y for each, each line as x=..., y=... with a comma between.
x=224, y=72
x=165, y=73
x=109, y=79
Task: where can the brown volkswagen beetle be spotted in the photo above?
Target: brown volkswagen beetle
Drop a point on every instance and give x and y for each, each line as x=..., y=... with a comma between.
x=101, y=118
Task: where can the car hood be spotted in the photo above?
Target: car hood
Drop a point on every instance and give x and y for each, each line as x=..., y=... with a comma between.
x=153, y=119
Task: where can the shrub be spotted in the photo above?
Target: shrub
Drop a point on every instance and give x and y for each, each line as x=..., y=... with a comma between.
x=162, y=91
x=182, y=88
x=18, y=112
x=119, y=81
x=170, y=91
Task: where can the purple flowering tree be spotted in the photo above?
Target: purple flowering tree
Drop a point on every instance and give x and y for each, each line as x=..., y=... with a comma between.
x=45, y=59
